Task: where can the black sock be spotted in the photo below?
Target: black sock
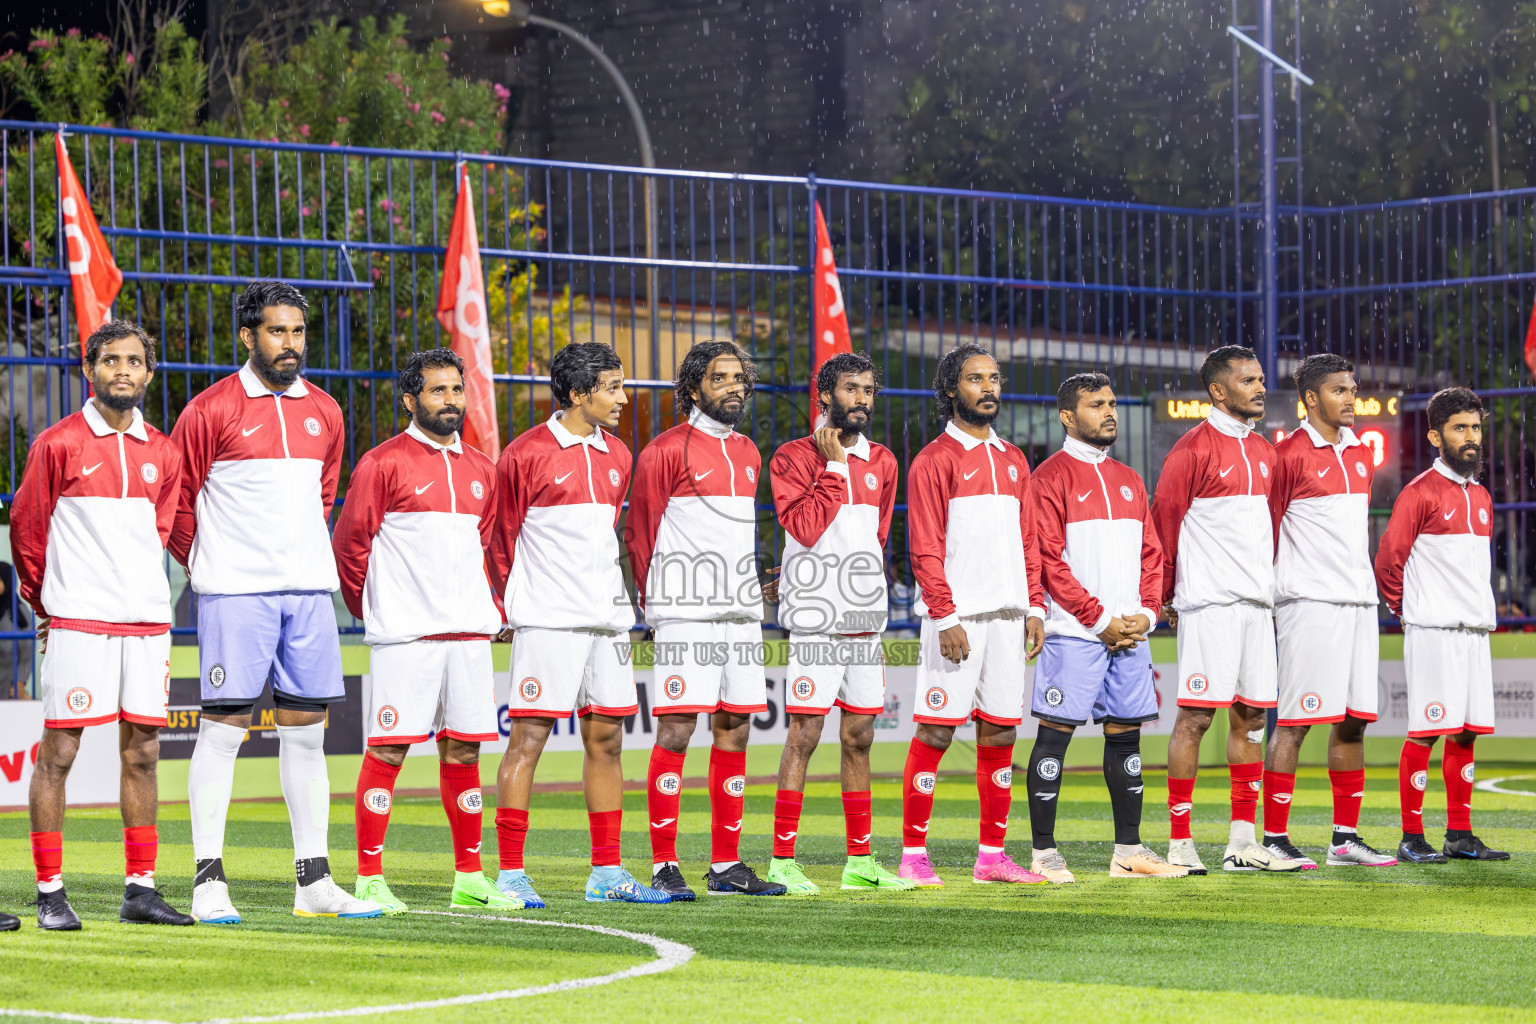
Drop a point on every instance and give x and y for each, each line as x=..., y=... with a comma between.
x=1409, y=837
x=209, y=870
x=1044, y=781
x=1122, y=774
x=1453, y=834
x=134, y=889
x=311, y=869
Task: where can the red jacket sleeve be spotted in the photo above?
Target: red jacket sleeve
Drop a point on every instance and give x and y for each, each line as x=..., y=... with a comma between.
x=927, y=523
x=31, y=514
x=1031, y=541
x=196, y=440
x=170, y=492
x=1280, y=490
x=1051, y=540
x=806, y=494
x=330, y=470
x=1396, y=544
x=653, y=484
x=1175, y=493
x=513, y=496
x=356, y=525
x=1151, y=563
x=890, y=472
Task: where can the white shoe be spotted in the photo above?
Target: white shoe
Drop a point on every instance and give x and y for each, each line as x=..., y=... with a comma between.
x=1282, y=847
x=326, y=899
x=1253, y=857
x=210, y=903
x=1354, y=853
x=1182, y=854
x=1052, y=865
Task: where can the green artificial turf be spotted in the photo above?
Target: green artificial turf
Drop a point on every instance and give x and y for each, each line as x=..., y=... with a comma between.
x=1412, y=942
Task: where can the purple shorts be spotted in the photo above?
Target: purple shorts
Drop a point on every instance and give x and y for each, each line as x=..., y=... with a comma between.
x=1079, y=679
x=287, y=638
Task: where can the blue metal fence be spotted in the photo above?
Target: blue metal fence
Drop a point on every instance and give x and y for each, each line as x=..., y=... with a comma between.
x=1418, y=294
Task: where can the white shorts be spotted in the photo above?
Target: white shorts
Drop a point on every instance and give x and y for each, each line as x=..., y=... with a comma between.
x=1450, y=681
x=91, y=678
x=432, y=686
x=1226, y=655
x=1328, y=662
x=988, y=685
x=824, y=669
x=708, y=667
x=557, y=671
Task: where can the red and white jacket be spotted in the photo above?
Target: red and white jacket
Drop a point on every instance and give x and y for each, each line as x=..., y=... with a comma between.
x=1212, y=516
x=692, y=527
x=555, y=551
x=89, y=525
x=836, y=517
x=1435, y=563
x=971, y=529
x=1099, y=553
x=259, y=476
x=1320, y=504
x=411, y=541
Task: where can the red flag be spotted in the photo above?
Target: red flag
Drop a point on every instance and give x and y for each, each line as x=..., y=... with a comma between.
x=832, y=335
x=1530, y=343
x=93, y=274
x=462, y=312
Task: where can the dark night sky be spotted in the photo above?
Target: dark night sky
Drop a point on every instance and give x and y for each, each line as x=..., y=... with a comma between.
x=19, y=17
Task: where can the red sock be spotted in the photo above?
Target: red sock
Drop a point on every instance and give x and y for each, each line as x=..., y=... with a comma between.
x=605, y=827
x=786, y=822
x=370, y=812
x=1458, y=770
x=994, y=789
x=664, y=789
x=919, y=780
x=856, y=818
x=511, y=835
x=48, y=856
x=1348, y=791
x=1246, y=782
x=459, y=786
x=1412, y=777
x=141, y=844
x=1278, y=788
x=1181, y=802
x=727, y=789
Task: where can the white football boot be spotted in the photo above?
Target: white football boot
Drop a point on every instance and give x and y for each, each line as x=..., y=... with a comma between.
x=210, y=903
x=1182, y=854
x=1052, y=865
x=1253, y=857
x=326, y=899
x=1353, y=852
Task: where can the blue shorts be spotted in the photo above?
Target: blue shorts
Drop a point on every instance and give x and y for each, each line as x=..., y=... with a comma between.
x=288, y=639
x=1077, y=679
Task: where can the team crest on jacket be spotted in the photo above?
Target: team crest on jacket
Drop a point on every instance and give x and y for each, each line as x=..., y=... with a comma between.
x=804, y=688
x=1360, y=470
x=1013, y=473
x=312, y=426
x=924, y=782
x=751, y=475
x=935, y=699
x=1264, y=470
x=1434, y=711
x=1311, y=703
x=1127, y=493
x=1048, y=769
x=470, y=801
x=529, y=689
x=216, y=676
x=871, y=481
x=78, y=700
x=149, y=472
x=613, y=476
x=1003, y=777
x=674, y=687
x=669, y=784
x=377, y=800
x=736, y=785
x=388, y=718
x=1482, y=516
x=1197, y=684
x=477, y=489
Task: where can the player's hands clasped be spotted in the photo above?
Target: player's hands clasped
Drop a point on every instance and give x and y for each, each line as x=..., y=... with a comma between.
x=1125, y=632
x=828, y=444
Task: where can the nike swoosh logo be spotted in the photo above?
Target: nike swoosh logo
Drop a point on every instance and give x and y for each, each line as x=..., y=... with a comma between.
x=425, y=486
x=248, y=433
x=563, y=479
x=663, y=823
x=88, y=472
x=1450, y=513
x=700, y=476
x=786, y=837
x=919, y=828
x=1084, y=495
x=1226, y=471
x=482, y=900
x=1323, y=472
x=972, y=473
x=732, y=828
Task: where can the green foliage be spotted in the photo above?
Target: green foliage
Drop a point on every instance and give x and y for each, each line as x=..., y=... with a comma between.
x=68, y=77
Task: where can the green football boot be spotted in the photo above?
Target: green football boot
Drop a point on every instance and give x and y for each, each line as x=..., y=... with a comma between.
x=472, y=889
x=375, y=889
x=867, y=873
x=784, y=871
